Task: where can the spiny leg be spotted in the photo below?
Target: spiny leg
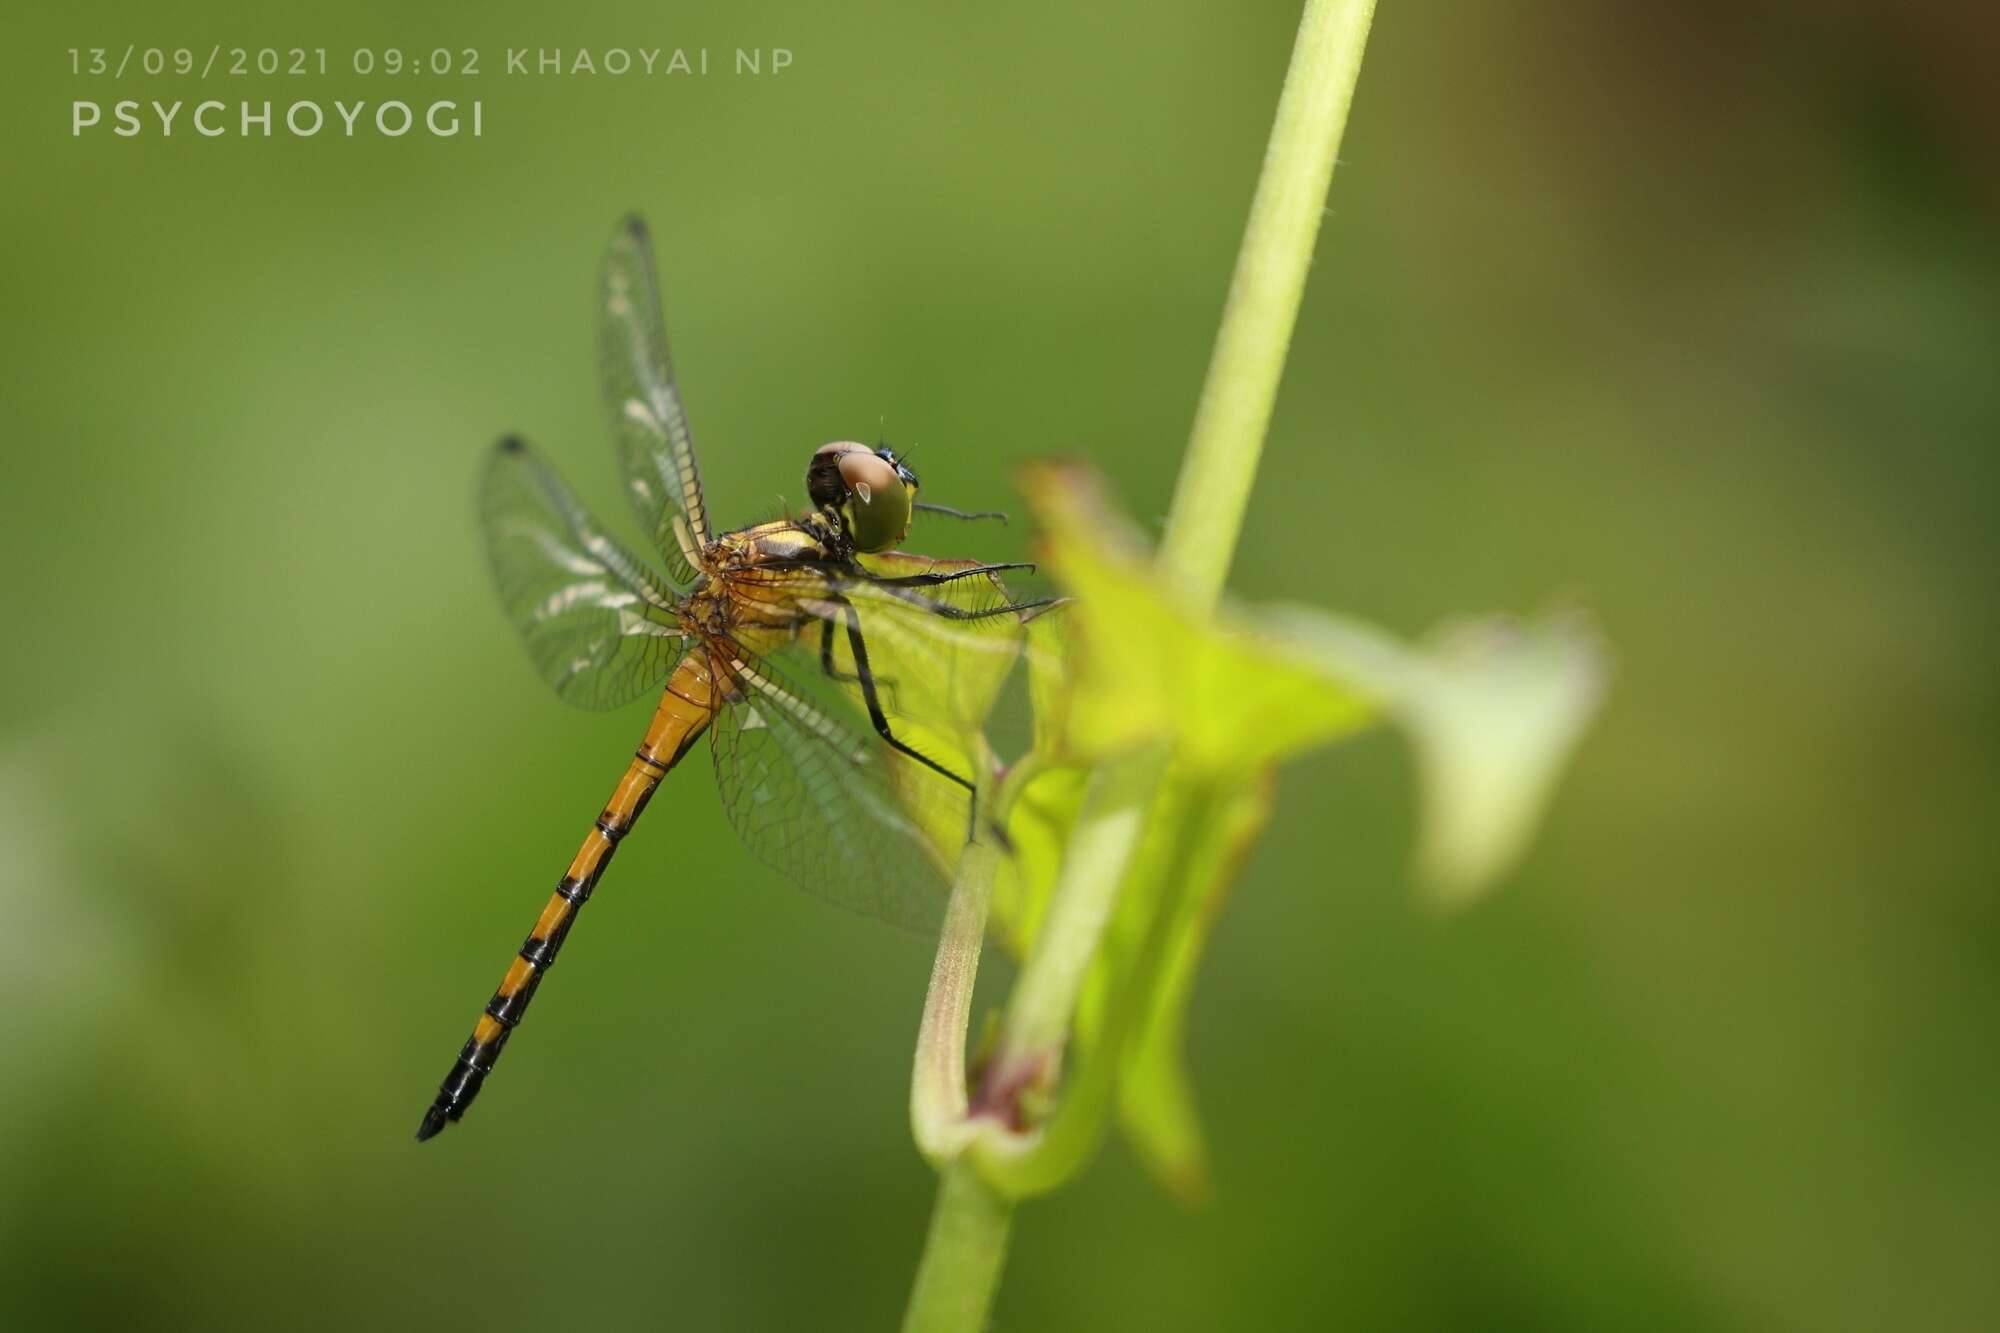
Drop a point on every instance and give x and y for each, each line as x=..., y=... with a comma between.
x=949, y=612
x=883, y=685
x=899, y=588
x=952, y=576
x=826, y=666
x=928, y=579
x=864, y=675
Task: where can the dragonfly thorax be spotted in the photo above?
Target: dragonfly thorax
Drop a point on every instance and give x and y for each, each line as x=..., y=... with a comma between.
x=748, y=586
x=709, y=610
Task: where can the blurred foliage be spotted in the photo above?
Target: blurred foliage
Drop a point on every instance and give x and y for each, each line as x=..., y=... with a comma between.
x=1684, y=312
x=1126, y=664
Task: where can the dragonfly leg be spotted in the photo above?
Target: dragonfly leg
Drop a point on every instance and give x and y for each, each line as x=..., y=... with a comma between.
x=883, y=685
x=865, y=677
x=925, y=580
x=950, y=612
x=826, y=666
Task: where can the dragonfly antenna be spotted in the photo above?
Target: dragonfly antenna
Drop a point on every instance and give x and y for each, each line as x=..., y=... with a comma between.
x=949, y=512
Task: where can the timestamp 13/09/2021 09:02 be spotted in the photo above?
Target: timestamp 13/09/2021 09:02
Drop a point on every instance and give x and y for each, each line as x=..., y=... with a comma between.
x=240, y=61
x=390, y=118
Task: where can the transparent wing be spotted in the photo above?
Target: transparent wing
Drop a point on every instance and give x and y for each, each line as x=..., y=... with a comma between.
x=599, y=625
x=648, y=420
x=818, y=797
x=939, y=648
x=940, y=652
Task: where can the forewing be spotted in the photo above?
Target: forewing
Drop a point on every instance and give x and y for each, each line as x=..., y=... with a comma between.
x=648, y=420
x=599, y=625
x=830, y=806
x=940, y=651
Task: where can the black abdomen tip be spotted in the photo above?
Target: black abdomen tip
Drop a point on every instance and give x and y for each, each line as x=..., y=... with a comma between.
x=434, y=1120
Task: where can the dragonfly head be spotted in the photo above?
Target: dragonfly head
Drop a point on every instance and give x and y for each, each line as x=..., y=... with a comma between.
x=871, y=490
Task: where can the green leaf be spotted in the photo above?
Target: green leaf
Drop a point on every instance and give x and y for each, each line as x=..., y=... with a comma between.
x=1493, y=708
x=1040, y=798
x=1038, y=829
x=1155, y=1096
x=1227, y=697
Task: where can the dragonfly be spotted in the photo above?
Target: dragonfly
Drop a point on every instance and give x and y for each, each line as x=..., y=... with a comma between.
x=840, y=680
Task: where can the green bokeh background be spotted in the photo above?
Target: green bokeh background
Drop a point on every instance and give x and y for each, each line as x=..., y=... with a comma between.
x=1683, y=312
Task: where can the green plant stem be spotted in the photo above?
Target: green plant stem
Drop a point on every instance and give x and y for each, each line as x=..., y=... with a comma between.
x=1264, y=293
x=1209, y=499
x=937, y=1082
x=962, y=1255
x=1108, y=826
x=967, y=1238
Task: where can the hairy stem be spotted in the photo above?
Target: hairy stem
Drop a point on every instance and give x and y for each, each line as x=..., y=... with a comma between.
x=937, y=1083
x=1264, y=294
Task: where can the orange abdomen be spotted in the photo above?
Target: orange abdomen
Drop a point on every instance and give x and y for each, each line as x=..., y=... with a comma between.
x=686, y=707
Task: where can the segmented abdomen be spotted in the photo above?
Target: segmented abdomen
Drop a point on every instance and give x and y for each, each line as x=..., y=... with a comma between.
x=690, y=701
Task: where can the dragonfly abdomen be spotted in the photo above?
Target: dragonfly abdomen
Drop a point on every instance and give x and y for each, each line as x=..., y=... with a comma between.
x=684, y=713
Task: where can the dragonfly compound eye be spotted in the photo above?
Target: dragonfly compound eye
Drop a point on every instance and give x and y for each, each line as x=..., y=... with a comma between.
x=825, y=485
x=875, y=502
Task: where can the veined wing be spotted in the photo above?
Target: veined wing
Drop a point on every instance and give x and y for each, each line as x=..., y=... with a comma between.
x=826, y=803
x=648, y=420
x=940, y=647
x=938, y=650
x=598, y=623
